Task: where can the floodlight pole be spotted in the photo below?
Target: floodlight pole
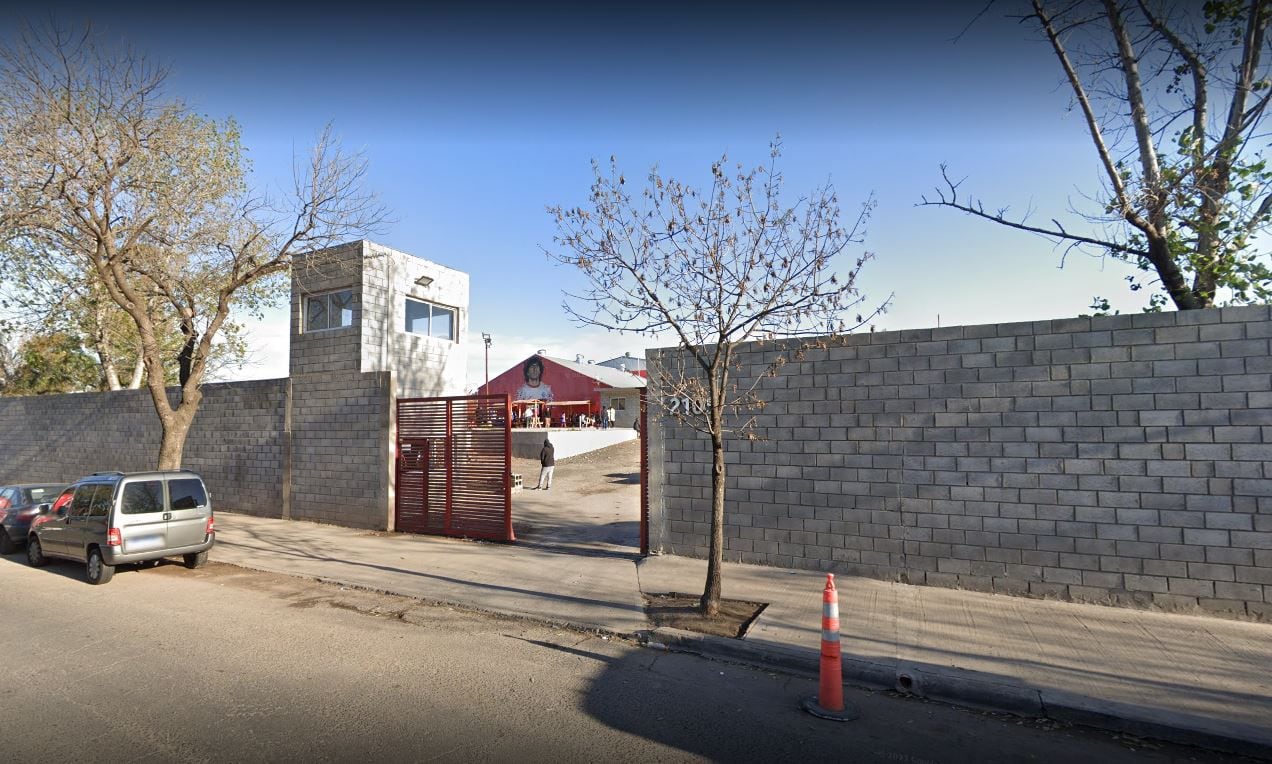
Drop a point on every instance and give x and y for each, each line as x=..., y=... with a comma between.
x=486, y=339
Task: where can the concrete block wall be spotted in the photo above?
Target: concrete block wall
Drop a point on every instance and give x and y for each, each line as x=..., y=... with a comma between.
x=526, y=444
x=333, y=466
x=422, y=366
x=1122, y=459
x=328, y=350
x=236, y=442
x=381, y=279
x=341, y=449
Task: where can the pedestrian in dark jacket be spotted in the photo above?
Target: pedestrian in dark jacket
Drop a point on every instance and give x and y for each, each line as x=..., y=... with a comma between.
x=547, y=462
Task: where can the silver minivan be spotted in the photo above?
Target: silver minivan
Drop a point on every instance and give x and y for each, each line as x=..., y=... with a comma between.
x=116, y=518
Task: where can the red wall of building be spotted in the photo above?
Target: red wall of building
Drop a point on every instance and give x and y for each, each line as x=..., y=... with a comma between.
x=566, y=384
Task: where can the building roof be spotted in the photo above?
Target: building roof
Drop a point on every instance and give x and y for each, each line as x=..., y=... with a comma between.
x=604, y=374
x=633, y=363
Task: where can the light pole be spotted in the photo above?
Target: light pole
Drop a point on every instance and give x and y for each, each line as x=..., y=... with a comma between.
x=486, y=339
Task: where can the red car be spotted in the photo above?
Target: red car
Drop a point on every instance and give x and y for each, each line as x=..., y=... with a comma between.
x=20, y=505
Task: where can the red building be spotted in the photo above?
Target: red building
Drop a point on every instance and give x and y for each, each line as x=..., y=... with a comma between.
x=542, y=387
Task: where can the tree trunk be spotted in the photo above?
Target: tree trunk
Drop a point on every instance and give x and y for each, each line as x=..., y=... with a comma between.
x=176, y=427
x=1163, y=261
x=139, y=370
x=710, y=604
x=185, y=359
x=110, y=374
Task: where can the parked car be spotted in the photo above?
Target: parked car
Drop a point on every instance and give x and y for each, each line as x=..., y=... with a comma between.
x=115, y=518
x=19, y=504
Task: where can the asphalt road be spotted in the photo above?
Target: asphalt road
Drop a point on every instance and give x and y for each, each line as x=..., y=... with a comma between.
x=225, y=664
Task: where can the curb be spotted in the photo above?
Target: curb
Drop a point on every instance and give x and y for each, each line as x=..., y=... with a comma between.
x=959, y=687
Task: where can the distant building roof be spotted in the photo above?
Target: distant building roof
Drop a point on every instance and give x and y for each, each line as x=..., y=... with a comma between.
x=610, y=376
x=625, y=362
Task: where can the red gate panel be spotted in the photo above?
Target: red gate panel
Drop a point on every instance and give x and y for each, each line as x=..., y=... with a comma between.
x=454, y=466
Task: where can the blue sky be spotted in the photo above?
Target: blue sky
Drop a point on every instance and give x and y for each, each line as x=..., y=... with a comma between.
x=474, y=121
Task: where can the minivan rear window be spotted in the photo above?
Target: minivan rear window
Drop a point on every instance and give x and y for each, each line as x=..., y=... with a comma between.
x=187, y=493
x=142, y=498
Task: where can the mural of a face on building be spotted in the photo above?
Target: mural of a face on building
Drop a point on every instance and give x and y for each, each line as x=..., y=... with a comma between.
x=534, y=388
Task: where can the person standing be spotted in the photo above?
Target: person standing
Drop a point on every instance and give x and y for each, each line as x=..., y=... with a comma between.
x=605, y=421
x=613, y=415
x=547, y=463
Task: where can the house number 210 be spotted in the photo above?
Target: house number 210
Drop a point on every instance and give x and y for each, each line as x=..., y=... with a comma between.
x=684, y=406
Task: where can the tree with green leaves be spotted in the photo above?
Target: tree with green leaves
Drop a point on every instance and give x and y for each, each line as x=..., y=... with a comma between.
x=714, y=270
x=104, y=175
x=44, y=295
x=1173, y=98
x=51, y=363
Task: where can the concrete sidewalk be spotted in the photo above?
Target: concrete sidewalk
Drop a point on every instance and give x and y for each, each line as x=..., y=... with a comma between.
x=1193, y=679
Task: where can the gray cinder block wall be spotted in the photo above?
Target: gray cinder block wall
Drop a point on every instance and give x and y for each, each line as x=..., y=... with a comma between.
x=1122, y=459
x=312, y=448
x=345, y=380
x=340, y=461
x=236, y=441
x=381, y=280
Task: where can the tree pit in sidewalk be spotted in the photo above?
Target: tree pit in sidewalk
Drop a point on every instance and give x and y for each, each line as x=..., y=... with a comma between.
x=674, y=610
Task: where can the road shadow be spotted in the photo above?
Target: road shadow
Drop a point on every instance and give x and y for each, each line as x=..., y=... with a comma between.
x=686, y=703
x=688, y=711
x=290, y=545
x=72, y=570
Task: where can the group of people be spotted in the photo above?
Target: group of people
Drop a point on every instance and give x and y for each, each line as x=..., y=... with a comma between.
x=606, y=419
x=531, y=417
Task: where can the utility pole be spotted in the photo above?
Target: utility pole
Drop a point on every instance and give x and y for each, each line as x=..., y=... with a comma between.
x=486, y=339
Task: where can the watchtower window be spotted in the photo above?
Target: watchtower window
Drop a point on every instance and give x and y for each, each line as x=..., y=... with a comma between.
x=430, y=320
x=330, y=310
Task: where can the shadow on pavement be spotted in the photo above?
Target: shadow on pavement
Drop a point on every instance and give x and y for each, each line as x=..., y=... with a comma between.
x=723, y=712
x=332, y=553
x=947, y=682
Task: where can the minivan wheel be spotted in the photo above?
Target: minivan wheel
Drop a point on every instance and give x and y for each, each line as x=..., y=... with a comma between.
x=35, y=553
x=98, y=571
x=195, y=559
x=6, y=544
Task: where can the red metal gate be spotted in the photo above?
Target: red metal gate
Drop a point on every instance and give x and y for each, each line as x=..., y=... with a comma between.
x=454, y=465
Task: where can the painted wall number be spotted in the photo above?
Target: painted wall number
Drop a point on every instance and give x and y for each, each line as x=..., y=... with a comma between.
x=684, y=406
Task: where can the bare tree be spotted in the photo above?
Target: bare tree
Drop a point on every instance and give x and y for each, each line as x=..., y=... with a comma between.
x=1173, y=100
x=102, y=173
x=712, y=270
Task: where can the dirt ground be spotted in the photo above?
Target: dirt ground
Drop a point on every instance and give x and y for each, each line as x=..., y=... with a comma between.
x=680, y=611
x=594, y=508
x=619, y=463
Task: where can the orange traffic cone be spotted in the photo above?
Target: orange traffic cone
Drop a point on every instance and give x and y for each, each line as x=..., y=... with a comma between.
x=829, y=702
